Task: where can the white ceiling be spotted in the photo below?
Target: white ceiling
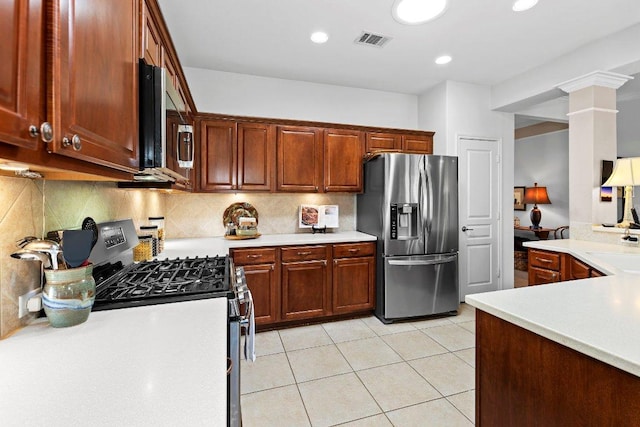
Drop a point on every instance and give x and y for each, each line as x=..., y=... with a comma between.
x=489, y=42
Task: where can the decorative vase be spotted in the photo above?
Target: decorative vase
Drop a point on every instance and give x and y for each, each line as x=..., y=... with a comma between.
x=68, y=295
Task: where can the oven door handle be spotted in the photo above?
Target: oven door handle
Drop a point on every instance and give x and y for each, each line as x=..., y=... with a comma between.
x=248, y=322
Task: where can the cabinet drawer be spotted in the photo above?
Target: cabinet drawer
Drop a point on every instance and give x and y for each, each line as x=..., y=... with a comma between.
x=303, y=253
x=254, y=256
x=544, y=259
x=348, y=250
x=539, y=276
x=579, y=270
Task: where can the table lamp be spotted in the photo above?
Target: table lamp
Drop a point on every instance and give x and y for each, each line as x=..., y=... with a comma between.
x=536, y=195
x=626, y=173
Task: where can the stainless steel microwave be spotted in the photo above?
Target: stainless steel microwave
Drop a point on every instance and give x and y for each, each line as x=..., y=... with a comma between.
x=166, y=138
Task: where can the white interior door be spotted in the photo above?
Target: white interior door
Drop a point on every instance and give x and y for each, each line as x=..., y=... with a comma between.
x=479, y=192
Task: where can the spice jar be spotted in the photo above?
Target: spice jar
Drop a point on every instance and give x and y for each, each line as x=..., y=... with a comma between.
x=153, y=231
x=144, y=250
x=159, y=221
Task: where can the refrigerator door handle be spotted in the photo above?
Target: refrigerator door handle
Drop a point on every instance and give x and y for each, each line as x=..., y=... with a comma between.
x=423, y=194
x=429, y=189
x=422, y=262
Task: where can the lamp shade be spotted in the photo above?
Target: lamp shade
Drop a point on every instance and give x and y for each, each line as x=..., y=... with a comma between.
x=536, y=195
x=625, y=172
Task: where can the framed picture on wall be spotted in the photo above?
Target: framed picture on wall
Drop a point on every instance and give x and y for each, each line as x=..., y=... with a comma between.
x=606, y=193
x=518, y=199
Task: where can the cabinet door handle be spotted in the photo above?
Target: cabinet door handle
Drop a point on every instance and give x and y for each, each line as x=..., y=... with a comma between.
x=45, y=131
x=548, y=261
x=254, y=256
x=304, y=253
x=324, y=262
x=353, y=250
x=272, y=267
x=74, y=142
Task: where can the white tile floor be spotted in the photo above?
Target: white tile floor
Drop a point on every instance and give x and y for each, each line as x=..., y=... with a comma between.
x=362, y=372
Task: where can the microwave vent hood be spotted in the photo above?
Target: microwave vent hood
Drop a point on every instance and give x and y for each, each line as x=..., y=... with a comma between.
x=166, y=138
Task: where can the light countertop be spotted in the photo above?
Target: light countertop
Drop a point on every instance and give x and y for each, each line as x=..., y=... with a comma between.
x=211, y=246
x=160, y=365
x=599, y=317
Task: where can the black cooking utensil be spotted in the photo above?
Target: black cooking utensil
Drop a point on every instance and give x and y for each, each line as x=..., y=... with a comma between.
x=76, y=246
x=89, y=224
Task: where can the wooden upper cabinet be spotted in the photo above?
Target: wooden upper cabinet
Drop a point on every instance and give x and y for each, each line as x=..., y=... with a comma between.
x=94, y=82
x=406, y=143
x=256, y=157
x=151, y=49
x=420, y=144
x=21, y=74
x=218, y=155
x=299, y=159
x=343, y=151
x=378, y=141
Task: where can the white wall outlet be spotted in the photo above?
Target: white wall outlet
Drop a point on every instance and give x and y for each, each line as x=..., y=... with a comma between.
x=22, y=302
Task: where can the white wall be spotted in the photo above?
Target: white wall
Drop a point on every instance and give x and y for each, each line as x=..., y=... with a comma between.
x=456, y=108
x=246, y=95
x=544, y=159
x=432, y=115
x=628, y=128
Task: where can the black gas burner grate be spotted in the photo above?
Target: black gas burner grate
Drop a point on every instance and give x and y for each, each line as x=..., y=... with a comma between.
x=160, y=281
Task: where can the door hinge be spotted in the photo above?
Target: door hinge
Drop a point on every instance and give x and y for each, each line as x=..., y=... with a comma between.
x=499, y=215
x=497, y=158
x=498, y=273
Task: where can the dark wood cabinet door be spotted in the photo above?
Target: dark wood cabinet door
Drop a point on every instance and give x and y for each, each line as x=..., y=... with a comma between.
x=304, y=290
x=218, y=158
x=343, y=152
x=418, y=144
x=263, y=284
x=353, y=284
x=378, y=141
x=151, y=50
x=256, y=157
x=94, y=81
x=21, y=73
x=299, y=159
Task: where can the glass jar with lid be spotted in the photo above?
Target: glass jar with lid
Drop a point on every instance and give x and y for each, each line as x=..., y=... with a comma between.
x=159, y=221
x=144, y=250
x=153, y=231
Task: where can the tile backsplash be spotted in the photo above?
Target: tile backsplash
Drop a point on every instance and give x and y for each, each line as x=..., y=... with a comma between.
x=201, y=215
x=33, y=207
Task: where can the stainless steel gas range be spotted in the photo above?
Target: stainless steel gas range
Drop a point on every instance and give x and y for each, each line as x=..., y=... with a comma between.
x=121, y=284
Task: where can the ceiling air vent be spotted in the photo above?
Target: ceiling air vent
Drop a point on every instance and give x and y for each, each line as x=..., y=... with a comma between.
x=371, y=39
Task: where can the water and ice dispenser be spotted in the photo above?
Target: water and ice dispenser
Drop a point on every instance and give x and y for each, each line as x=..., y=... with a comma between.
x=404, y=221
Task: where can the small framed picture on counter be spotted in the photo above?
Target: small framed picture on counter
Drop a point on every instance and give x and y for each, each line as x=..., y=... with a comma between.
x=518, y=199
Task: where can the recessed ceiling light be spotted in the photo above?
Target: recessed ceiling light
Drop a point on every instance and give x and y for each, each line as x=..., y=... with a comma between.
x=319, y=37
x=444, y=59
x=522, y=5
x=414, y=12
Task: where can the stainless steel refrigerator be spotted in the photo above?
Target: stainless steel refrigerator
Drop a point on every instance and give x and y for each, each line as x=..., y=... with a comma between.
x=410, y=202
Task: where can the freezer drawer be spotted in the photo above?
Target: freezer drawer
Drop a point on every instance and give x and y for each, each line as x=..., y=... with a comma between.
x=420, y=285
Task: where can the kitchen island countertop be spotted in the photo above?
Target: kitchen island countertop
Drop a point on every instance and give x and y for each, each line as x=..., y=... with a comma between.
x=211, y=246
x=160, y=365
x=599, y=317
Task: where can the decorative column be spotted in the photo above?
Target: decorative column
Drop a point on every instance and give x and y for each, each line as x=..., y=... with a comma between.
x=592, y=138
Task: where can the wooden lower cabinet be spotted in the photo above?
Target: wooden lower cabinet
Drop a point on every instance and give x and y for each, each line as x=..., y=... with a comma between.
x=354, y=277
x=296, y=283
x=305, y=290
x=550, y=267
x=524, y=379
x=261, y=270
